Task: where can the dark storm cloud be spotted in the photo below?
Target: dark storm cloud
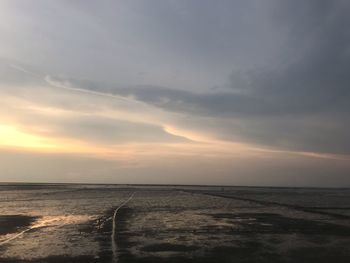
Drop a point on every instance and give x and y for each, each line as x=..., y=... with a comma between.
x=302, y=102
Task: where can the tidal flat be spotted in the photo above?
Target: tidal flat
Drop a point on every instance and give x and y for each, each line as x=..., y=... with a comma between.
x=169, y=223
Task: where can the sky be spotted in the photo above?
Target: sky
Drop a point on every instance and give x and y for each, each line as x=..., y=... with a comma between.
x=175, y=92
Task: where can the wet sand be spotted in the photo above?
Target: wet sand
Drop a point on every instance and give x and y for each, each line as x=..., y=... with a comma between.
x=257, y=239
x=14, y=223
x=184, y=225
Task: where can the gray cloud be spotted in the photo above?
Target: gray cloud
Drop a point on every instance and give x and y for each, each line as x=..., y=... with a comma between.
x=300, y=103
x=271, y=73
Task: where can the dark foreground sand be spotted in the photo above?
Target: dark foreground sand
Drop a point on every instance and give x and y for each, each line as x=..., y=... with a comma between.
x=14, y=223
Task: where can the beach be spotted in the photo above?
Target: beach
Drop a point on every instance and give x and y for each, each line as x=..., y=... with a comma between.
x=169, y=223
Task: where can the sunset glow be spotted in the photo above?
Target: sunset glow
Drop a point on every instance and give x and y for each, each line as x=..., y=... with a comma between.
x=157, y=93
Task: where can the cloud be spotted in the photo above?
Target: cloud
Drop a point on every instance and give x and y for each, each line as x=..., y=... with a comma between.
x=86, y=124
x=109, y=131
x=230, y=80
x=52, y=114
x=303, y=171
x=301, y=103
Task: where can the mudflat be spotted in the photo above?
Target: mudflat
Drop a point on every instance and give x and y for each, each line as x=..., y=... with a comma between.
x=84, y=223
